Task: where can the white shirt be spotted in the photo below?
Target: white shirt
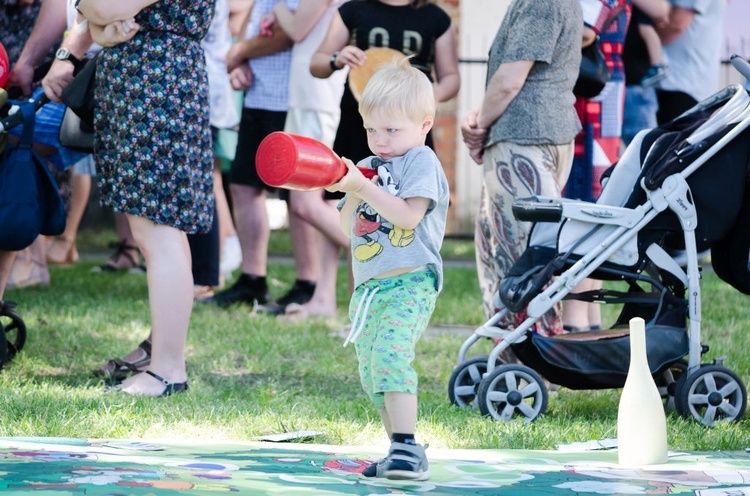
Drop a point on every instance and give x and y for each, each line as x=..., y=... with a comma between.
x=308, y=92
x=215, y=45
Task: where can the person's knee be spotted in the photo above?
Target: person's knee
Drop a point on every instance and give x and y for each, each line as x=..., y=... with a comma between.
x=302, y=209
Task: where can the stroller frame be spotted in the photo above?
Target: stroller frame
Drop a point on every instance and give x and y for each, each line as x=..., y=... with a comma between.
x=706, y=392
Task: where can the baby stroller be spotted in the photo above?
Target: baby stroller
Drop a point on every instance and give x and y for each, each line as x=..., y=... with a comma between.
x=689, y=176
x=12, y=326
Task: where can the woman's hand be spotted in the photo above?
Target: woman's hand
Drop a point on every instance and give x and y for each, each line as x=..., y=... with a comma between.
x=474, y=136
x=351, y=56
x=267, y=21
x=115, y=33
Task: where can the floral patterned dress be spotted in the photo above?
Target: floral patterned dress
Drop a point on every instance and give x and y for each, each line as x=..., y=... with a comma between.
x=152, y=137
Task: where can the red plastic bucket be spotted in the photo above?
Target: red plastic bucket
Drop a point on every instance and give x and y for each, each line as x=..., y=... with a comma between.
x=4, y=66
x=297, y=162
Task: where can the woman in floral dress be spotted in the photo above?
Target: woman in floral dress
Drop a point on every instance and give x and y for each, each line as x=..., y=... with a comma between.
x=154, y=155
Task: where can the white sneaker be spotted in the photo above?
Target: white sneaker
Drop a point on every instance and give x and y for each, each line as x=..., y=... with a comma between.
x=231, y=256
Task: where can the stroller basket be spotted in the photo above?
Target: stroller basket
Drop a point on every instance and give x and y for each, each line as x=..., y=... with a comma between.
x=599, y=360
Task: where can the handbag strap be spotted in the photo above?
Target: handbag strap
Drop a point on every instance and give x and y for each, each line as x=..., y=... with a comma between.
x=29, y=120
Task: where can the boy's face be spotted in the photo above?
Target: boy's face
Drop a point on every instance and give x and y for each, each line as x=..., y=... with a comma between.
x=390, y=137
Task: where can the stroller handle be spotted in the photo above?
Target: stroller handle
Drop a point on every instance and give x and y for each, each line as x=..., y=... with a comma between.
x=742, y=66
x=536, y=209
x=15, y=117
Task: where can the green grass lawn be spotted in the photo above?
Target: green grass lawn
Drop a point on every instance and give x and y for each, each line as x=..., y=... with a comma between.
x=251, y=375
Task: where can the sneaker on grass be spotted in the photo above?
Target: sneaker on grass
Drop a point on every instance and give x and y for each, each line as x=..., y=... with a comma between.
x=299, y=293
x=406, y=462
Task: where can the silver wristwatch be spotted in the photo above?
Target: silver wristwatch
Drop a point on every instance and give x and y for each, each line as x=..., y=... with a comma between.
x=64, y=54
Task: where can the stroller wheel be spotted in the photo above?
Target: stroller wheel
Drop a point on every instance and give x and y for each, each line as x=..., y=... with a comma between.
x=14, y=332
x=464, y=381
x=666, y=382
x=712, y=393
x=510, y=390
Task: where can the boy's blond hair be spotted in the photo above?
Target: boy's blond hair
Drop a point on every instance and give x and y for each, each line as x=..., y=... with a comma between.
x=398, y=89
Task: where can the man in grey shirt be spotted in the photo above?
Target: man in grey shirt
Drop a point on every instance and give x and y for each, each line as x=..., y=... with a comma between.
x=692, y=44
x=524, y=130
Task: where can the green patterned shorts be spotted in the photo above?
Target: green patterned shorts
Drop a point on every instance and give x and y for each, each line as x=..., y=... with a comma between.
x=396, y=318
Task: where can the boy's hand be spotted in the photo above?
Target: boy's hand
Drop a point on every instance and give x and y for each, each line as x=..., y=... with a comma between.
x=353, y=182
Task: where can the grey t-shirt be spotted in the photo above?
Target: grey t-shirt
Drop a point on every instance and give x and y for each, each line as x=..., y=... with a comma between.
x=694, y=57
x=548, y=33
x=378, y=244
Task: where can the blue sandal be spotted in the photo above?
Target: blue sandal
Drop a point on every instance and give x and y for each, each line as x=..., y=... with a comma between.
x=170, y=387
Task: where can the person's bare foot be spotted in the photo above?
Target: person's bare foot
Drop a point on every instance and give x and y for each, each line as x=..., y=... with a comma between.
x=294, y=312
x=151, y=384
x=137, y=360
x=201, y=292
x=125, y=258
x=61, y=250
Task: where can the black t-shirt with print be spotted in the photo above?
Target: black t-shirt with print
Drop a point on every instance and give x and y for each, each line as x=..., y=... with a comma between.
x=407, y=29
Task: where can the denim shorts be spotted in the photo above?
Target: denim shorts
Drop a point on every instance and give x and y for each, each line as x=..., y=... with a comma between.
x=640, y=111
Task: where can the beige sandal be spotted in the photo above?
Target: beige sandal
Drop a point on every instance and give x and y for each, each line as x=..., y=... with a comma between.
x=29, y=267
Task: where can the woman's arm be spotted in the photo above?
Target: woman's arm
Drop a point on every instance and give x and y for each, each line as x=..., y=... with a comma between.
x=335, y=41
x=257, y=46
x=103, y=12
x=239, y=12
x=447, y=79
x=298, y=24
x=589, y=37
x=503, y=87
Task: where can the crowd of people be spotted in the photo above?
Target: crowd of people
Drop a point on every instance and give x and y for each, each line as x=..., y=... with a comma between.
x=188, y=90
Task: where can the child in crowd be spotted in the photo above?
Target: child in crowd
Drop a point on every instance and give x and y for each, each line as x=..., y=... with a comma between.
x=657, y=65
x=396, y=223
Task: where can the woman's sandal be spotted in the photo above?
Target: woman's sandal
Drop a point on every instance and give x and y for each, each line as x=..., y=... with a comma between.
x=118, y=369
x=122, y=260
x=170, y=388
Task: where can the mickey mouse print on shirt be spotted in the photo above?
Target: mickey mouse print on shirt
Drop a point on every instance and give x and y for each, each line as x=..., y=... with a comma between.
x=371, y=227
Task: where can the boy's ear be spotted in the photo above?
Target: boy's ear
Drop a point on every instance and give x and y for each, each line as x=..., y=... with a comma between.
x=427, y=125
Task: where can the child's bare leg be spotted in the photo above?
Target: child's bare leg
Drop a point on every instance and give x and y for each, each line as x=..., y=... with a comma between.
x=402, y=412
x=406, y=459
x=653, y=44
x=386, y=420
